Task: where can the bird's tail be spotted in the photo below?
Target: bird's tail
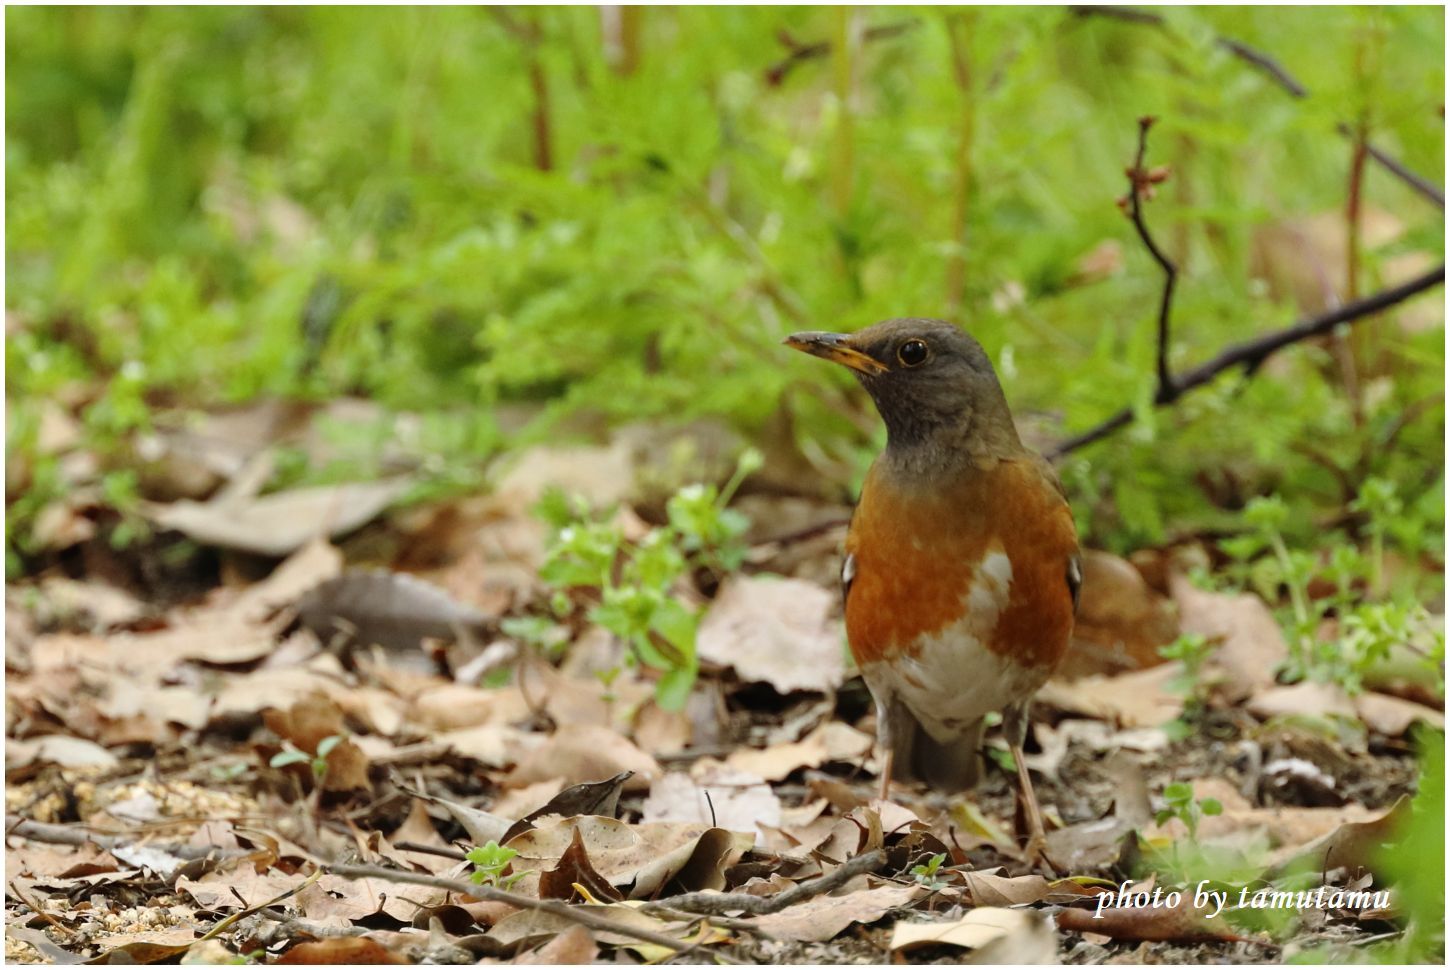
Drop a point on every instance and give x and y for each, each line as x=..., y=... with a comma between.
x=949, y=766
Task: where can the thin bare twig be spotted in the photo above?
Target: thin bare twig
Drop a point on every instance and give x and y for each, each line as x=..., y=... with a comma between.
x=1140, y=182
x=1250, y=353
x=20, y=894
x=1117, y=13
x=1286, y=81
x=75, y=835
x=447, y=853
x=1346, y=355
x=799, y=53
x=723, y=904
x=574, y=914
x=1265, y=63
x=1393, y=165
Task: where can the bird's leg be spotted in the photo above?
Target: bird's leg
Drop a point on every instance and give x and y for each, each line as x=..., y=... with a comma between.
x=883, y=741
x=1014, y=726
x=1036, y=831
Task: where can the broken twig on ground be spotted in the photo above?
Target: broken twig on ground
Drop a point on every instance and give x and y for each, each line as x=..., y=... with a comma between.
x=722, y=904
x=76, y=835
x=575, y=914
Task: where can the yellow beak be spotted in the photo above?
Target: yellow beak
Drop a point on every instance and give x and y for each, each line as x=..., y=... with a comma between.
x=835, y=347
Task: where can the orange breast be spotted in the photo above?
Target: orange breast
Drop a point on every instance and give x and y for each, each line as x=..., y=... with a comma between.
x=918, y=555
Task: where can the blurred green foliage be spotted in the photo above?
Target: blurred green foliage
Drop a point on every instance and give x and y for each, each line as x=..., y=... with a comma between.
x=1415, y=861
x=447, y=209
x=630, y=587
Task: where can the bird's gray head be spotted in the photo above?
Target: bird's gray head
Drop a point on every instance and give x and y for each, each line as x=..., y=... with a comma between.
x=932, y=383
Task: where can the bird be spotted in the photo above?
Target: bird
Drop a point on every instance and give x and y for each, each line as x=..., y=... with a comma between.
x=962, y=568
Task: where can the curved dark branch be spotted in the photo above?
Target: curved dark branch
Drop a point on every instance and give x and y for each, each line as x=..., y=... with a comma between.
x=1140, y=189
x=1393, y=165
x=1250, y=353
x=1265, y=63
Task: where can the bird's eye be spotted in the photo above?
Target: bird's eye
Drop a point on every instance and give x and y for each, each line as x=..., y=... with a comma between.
x=912, y=353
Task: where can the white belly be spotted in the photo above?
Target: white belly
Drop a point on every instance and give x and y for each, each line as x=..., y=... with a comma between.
x=953, y=680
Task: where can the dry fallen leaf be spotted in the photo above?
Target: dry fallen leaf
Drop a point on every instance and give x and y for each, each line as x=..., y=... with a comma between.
x=310, y=721
x=1305, y=697
x=237, y=887
x=278, y=524
x=579, y=753
x=494, y=745
x=337, y=901
x=59, y=749
x=573, y=947
x=603, y=476
x=61, y=601
x=574, y=870
x=516, y=803
x=588, y=798
x=820, y=919
x=146, y=946
x=990, y=889
x=316, y=562
x=482, y=827
x=831, y=741
x=350, y=950
x=995, y=935
x=60, y=861
x=1354, y=845
x=1121, y=622
x=639, y=860
x=418, y=829
x=307, y=722
x=1394, y=716
x=278, y=687
x=1251, y=644
x=450, y=707
x=726, y=797
x=777, y=631
x=1132, y=700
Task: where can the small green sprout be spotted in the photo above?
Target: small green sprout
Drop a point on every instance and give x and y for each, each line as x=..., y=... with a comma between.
x=1193, y=651
x=293, y=755
x=1180, y=804
x=636, y=582
x=490, y=861
x=926, y=872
